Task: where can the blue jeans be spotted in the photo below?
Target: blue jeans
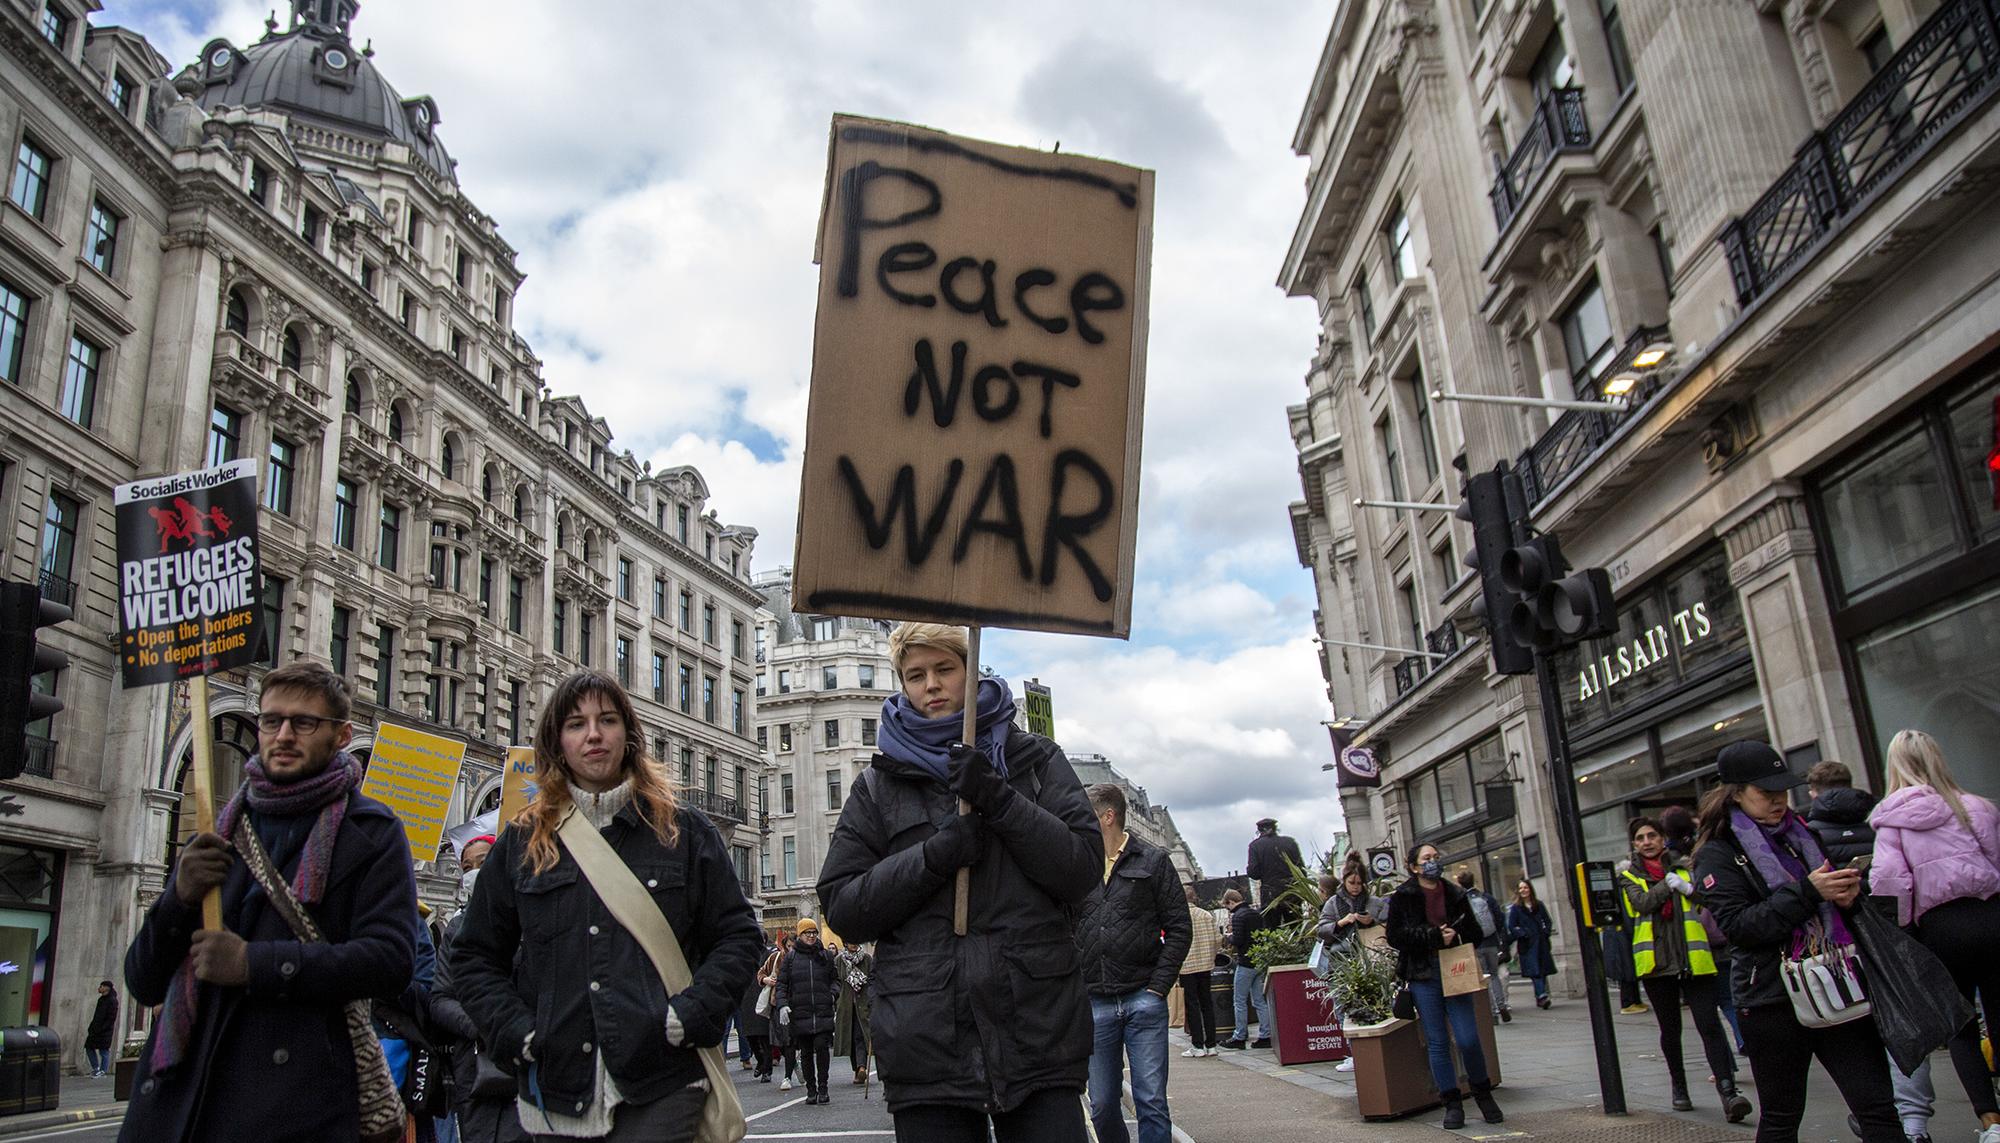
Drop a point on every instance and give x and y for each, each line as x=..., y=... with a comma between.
x=100, y=1059
x=1247, y=988
x=1133, y=1025
x=1434, y=1011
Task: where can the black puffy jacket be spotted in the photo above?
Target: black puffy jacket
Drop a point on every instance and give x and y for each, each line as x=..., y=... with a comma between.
x=1415, y=939
x=808, y=984
x=1134, y=931
x=540, y=953
x=984, y=1020
x=1244, y=921
x=1839, y=819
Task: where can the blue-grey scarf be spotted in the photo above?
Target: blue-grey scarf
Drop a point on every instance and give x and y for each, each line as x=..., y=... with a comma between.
x=910, y=737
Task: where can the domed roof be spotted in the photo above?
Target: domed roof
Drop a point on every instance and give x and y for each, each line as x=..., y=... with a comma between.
x=312, y=70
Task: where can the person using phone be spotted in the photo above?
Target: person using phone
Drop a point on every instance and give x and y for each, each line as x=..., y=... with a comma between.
x=1428, y=914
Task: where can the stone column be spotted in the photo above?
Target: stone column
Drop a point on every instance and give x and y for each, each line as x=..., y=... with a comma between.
x=1773, y=563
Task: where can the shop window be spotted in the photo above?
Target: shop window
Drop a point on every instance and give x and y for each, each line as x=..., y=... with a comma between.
x=1975, y=437
x=1887, y=514
x=1934, y=672
x=1455, y=795
x=1424, y=802
x=30, y=896
x=1624, y=775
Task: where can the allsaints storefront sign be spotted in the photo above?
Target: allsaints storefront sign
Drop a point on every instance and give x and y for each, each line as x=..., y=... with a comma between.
x=1654, y=646
x=1682, y=626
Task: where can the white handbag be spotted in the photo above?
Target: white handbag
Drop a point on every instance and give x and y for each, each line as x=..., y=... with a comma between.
x=1826, y=988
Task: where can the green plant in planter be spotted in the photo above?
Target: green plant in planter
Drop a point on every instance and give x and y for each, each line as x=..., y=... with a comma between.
x=1363, y=983
x=1273, y=947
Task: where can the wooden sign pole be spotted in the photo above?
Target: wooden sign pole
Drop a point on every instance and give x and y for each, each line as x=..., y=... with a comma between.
x=961, y=894
x=203, y=773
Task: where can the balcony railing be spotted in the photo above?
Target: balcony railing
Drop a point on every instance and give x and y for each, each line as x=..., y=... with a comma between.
x=1412, y=669
x=40, y=754
x=56, y=589
x=1576, y=436
x=1557, y=127
x=715, y=805
x=768, y=883
x=1944, y=72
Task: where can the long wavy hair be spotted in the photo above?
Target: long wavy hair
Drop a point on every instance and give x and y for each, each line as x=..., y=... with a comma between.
x=652, y=792
x=1712, y=817
x=1916, y=759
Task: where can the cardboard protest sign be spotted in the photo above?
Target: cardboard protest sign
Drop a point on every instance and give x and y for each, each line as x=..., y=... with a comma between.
x=189, y=581
x=1040, y=707
x=517, y=782
x=972, y=440
x=413, y=773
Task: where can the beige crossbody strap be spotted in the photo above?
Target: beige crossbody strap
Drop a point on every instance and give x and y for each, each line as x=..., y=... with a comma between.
x=634, y=908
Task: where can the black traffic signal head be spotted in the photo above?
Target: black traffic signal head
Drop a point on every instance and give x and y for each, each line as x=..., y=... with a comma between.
x=23, y=611
x=1551, y=608
x=1485, y=508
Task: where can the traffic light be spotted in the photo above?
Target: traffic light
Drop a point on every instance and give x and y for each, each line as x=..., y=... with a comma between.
x=1485, y=508
x=1552, y=608
x=23, y=611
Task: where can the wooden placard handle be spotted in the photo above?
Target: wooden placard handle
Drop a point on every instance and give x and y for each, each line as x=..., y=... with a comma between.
x=961, y=899
x=203, y=772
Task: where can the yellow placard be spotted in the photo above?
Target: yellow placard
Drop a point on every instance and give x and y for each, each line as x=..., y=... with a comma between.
x=517, y=784
x=413, y=773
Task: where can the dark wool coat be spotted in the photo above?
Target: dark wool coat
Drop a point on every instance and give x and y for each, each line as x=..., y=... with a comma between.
x=540, y=953
x=985, y=1020
x=272, y=1060
x=103, y=1023
x=1533, y=929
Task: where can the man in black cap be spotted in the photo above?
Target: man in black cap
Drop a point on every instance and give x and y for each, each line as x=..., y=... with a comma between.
x=1269, y=852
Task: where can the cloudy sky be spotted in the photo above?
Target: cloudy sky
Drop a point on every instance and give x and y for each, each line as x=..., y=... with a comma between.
x=659, y=167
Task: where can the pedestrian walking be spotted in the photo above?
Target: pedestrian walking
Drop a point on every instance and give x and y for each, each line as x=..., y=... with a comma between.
x=1937, y=853
x=1197, y=973
x=238, y=1000
x=1677, y=822
x=559, y=989
x=1428, y=914
x=1533, y=931
x=757, y=1025
x=103, y=1026
x=1773, y=892
x=1247, y=984
x=1270, y=862
x=1490, y=949
x=990, y=1031
x=806, y=994
x=850, y=1018
x=1349, y=910
x=1670, y=954
x=1838, y=818
x=1133, y=934
x=781, y=1034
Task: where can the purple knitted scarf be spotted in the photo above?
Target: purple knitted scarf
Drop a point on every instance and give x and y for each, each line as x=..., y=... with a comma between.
x=1777, y=864
x=325, y=793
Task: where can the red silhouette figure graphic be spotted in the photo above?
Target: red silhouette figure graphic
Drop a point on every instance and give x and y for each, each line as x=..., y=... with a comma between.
x=185, y=523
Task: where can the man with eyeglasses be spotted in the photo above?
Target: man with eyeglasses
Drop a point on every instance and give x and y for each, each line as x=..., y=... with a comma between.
x=251, y=1040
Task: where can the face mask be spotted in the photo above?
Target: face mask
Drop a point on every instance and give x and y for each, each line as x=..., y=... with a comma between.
x=1432, y=869
x=465, y=881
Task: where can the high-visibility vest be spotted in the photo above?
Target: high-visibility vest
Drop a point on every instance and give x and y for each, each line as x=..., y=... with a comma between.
x=1700, y=961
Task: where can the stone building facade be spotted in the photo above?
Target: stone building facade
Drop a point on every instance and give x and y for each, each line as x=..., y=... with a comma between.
x=1757, y=238
x=821, y=680
x=266, y=255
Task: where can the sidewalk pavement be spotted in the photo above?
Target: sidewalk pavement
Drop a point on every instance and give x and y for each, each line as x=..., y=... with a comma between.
x=1549, y=1089
x=84, y=1100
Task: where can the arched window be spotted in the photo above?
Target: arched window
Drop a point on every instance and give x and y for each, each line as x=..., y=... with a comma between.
x=236, y=313
x=396, y=423
x=486, y=485
x=351, y=401
x=448, y=461
x=292, y=351
x=562, y=532
x=521, y=504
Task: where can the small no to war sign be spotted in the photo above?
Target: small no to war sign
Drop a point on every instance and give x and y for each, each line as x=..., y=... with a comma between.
x=188, y=574
x=972, y=440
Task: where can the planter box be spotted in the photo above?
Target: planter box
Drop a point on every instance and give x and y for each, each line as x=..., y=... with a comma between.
x=1302, y=1005
x=1392, y=1065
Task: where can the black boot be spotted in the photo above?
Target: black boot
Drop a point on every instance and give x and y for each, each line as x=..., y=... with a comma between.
x=1734, y=1106
x=1482, y=1094
x=1681, y=1100
x=1454, y=1109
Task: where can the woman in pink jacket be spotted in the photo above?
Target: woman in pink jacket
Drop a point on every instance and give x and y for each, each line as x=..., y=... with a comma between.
x=1937, y=851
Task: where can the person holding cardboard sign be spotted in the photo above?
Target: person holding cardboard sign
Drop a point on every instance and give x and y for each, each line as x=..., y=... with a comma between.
x=569, y=988
x=253, y=1038
x=994, y=1027
x=1433, y=930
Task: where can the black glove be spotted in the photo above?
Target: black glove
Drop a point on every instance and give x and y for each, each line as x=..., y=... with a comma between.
x=973, y=776
x=955, y=846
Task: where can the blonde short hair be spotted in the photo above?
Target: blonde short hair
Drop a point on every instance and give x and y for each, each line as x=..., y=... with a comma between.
x=942, y=636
